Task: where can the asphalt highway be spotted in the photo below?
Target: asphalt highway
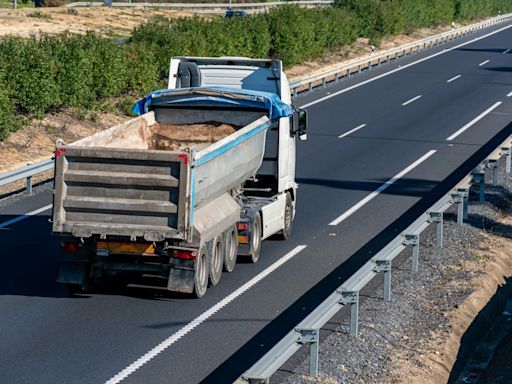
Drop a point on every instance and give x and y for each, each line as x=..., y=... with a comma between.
x=383, y=146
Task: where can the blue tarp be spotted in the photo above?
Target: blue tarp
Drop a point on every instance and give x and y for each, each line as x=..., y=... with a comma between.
x=211, y=96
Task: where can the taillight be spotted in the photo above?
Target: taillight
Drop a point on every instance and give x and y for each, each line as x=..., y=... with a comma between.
x=242, y=226
x=70, y=247
x=185, y=255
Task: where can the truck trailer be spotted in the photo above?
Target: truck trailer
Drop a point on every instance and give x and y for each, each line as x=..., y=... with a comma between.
x=202, y=176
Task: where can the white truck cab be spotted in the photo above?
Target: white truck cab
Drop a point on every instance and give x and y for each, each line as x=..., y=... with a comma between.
x=275, y=180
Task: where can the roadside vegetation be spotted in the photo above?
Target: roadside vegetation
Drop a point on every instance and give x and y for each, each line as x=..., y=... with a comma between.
x=49, y=72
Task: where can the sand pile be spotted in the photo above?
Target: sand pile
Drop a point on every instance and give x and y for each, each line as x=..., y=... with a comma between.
x=172, y=137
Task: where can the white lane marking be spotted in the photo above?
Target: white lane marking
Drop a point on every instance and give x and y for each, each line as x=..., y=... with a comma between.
x=506, y=51
x=474, y=121
x=202, y=318
x=483, y=63
x=25, y=216
x=375, y=193
x=412, y=100
x=510, y=94
x=351, y=131
x=453, y=78
x=402, y=68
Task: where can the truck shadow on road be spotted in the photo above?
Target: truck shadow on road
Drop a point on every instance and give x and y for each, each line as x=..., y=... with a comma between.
x=402, y=187
x=495, y=50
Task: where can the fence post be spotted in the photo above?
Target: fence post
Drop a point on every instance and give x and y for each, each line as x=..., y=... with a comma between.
x=29, y=185
x=312, y=337
x=352, y=298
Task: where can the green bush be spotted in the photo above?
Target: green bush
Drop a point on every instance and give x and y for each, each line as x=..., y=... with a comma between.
x=8, y=121
x=29, y=72
x=142, y=69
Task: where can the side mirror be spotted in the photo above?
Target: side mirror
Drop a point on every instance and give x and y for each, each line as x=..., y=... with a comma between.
x=303, y=125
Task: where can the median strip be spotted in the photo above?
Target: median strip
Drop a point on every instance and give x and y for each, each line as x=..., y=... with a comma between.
x=384, y=186
x=474, y=121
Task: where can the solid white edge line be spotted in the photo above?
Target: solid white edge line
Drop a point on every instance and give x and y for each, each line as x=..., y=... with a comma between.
x=506, y=51
x=483, y=63
x=509, y=95
x=453, y=78
x=25, y=216
x=352, y=131
x=402, y=68
x=202, y=318
x=474, y=121
x=375, y=193
x=412, y=100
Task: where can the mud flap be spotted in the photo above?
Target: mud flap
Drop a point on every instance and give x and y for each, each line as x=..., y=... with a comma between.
x=181, y=276
x=72, y=272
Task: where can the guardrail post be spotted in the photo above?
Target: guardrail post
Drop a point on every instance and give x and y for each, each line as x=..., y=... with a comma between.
x=352, y=298
x=507, y=152
x=414, y=241
x=312, y=337
x=385, y=266
x=457, y=197
x=437, y=217
x=28, y=189
x=480, y=178
x=494, y=165
x=465, y=206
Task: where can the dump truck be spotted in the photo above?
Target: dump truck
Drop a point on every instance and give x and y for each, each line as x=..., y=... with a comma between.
x=201, y=177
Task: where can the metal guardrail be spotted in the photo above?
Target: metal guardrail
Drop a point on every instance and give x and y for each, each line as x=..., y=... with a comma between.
x=26, y=172
x=307, y=331
x=206, y=7
x=307, y=83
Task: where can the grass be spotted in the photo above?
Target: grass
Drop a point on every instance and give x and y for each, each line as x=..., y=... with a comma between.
x=39, y=15
x=8, y=4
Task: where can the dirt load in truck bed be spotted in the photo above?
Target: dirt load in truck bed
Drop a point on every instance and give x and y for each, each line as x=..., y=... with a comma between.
x=171, y=137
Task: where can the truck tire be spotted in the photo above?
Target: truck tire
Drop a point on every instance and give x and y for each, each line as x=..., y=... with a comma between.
x=230, y=249
x=77, y=289
x=288, y=218
x=216, y=259
x=201, y=270
x=256, y=239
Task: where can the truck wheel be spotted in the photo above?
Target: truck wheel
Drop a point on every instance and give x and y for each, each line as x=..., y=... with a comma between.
x=230, y=249
x=256, y=238
x=216, y=259
x=76, y=289
x=288, y=218
x=201, y=273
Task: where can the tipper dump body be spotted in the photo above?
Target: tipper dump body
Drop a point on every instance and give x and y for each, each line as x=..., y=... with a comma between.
x=116, y=183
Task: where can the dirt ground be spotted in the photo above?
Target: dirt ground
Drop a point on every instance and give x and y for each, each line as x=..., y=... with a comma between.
x=107, y=21
x=37, y=140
